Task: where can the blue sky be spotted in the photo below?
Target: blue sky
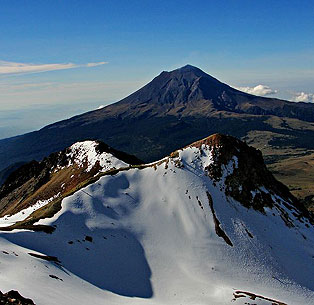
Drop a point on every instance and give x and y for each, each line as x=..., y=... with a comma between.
x=66, y=57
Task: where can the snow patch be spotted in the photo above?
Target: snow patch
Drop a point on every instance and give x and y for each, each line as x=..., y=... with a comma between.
x=7, y=220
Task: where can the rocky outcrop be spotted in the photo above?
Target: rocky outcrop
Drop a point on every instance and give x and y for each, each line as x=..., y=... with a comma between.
x=249, y=181
x=14, y=298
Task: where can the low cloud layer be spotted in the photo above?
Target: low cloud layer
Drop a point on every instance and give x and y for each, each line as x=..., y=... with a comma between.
x=7, y=67
x=260, y=90
x=304, y=97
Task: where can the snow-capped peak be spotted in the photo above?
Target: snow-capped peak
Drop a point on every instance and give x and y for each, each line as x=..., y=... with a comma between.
x=87, y=154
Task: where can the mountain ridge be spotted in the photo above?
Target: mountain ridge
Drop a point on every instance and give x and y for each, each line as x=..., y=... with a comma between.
x=46, y=183
x=171, y=232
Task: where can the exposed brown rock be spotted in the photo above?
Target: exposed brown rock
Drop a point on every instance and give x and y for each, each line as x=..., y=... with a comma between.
x=246, y=182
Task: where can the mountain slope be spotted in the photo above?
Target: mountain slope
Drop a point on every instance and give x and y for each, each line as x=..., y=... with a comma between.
x=174, y=109
x=42, y=185
x=207, y=225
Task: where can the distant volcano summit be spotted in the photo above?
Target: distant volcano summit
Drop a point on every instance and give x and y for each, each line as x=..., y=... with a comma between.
x=182, y=92
x=190, y=91
x=178, y=88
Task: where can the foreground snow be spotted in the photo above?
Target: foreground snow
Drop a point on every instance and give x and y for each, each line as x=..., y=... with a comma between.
x=147, y=236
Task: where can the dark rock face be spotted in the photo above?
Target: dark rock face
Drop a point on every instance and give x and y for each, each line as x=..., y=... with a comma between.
x=219, y=231
x=248, y=179
x=40, y=171
x=174, y=109
x=14, y=298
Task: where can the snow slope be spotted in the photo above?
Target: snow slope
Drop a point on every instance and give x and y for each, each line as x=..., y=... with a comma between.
x=149, y=236
x=37, y=184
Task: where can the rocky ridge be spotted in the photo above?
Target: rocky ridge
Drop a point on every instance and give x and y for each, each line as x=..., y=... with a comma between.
x=36, y=184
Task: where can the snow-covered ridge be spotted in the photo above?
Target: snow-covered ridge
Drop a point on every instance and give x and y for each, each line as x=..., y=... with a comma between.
x=32, y=186
x=86, y=154
x=169, y=233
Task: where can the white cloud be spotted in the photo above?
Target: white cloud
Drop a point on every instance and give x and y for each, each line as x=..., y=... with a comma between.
x=261, y=90
x=95, y=64
x=7, y=67
x=304, y=97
